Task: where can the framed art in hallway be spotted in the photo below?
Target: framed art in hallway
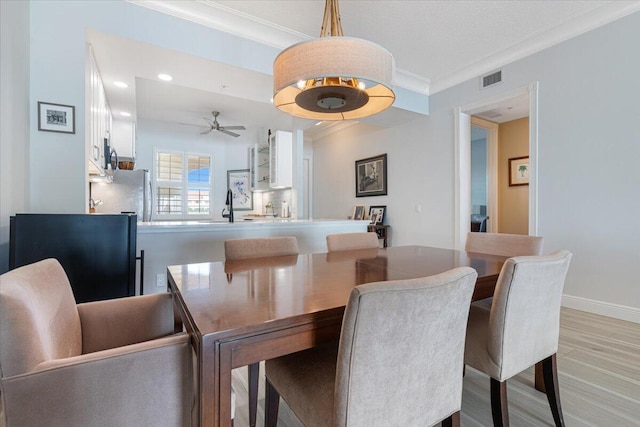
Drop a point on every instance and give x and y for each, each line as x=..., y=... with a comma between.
x=378, y=212
x=56, y=117
x=358, y=212
x=371, y=176
x=519, y=171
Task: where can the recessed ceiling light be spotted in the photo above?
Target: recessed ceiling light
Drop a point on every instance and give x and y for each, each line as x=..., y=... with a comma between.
x=121, y=84
x=165, y=77
x=125, y=114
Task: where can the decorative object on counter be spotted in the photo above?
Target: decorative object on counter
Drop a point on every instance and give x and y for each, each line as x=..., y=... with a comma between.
x=269, y=207
x=126, y=163
x=285, y=209
x=358, y=213
x=333, y=77
x=56, y=117
x=379, y=212
x=519, y=171
x=238, y=183
x=371, y=176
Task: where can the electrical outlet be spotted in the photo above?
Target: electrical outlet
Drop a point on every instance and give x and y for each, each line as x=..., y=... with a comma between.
x=161, y=280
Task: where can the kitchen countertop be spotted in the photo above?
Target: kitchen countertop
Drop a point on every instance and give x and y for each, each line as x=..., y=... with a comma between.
x=224, y=225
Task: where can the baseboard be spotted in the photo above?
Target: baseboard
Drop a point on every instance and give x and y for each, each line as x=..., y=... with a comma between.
x=622, y=312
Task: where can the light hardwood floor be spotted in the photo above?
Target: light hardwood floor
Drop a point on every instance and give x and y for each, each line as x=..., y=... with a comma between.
x=598, y=369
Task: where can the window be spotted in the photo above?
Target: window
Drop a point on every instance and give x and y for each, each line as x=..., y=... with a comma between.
x=182, y=185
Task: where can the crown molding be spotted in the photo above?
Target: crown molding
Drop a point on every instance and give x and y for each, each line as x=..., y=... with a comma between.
x=214, y=15
x=580, y=25
x=219, y=17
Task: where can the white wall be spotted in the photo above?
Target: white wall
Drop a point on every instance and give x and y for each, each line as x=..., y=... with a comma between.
x=589, y=148
x=14, y=117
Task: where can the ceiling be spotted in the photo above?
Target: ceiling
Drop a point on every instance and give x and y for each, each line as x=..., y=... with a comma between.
x=436, y=44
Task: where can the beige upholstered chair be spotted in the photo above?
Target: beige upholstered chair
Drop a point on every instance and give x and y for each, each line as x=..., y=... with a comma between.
x=106, y=363
x=521, y=328
x=398, y=363
x=502, y=244
x=237, y=250
x=351, y=241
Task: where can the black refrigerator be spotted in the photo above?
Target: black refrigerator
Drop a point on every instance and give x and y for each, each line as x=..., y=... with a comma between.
x=98, y=252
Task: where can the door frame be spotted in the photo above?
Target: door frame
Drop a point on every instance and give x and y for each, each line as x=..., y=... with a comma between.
x=492, y=170
x=463, y=154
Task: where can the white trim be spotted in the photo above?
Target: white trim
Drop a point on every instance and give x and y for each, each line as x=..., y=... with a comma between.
x=492, y=170
x=462, y=174
x=533, y=158
x=223, y=18
x=617, y=311
x=462, y=187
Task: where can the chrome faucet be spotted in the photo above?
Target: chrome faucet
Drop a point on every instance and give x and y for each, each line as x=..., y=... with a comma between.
x=229, y=207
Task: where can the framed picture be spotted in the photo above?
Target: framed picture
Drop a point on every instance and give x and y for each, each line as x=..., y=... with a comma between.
x=378, y=211
x=238, y=183
x=371, y=176
x=56, y=117
x=358, y=212
x=519, y=171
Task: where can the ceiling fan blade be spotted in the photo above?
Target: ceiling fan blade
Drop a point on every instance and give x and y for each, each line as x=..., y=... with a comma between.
x=189, y=124
x=206, y=132
x=209, y=121
x=235, y=127
x=227, y=132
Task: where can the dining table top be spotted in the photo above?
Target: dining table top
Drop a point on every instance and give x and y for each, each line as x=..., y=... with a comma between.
x=240, y=297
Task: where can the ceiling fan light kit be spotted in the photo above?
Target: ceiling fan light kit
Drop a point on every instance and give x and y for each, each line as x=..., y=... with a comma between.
x=333, y=77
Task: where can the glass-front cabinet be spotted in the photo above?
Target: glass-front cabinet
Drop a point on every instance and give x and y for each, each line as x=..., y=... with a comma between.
x=281, y=159
x=259, y=167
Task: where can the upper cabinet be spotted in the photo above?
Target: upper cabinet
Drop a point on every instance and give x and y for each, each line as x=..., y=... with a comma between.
x=259, y=167
x=271, y=166
x=99, y=118
x=281, y=159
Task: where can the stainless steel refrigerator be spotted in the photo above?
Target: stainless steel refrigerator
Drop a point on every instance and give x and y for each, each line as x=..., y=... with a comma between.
x=130, y=192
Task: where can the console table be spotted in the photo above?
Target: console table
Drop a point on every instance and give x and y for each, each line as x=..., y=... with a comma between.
x=382, y=231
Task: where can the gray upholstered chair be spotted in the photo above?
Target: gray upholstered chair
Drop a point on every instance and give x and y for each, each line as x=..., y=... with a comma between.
x=105, y=363
x=236, y=250
x=521, y=329
x=398, y=363
x=504, y=244
x=351, y=241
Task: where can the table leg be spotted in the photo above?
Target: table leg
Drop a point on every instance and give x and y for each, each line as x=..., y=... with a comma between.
x=224, y=391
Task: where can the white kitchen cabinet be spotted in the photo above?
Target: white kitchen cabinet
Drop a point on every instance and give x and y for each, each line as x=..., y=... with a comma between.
x=100, y=119
x=281, y=159
x=123, y=138
x=259, y=167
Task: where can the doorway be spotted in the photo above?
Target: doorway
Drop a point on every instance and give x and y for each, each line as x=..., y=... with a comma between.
x=463, y=119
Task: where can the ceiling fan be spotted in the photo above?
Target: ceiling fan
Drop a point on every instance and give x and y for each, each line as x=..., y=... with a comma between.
x=216, y=126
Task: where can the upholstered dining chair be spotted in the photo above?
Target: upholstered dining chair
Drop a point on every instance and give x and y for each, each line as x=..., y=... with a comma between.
x=105, y=363
x=236, y=250
x=351, y=241
x=521, y=328
x=398, y=361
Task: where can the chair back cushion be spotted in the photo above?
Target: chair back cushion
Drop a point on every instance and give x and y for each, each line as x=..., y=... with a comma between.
x=525, y=314
x=351, y=241
x=236, y=249
x=501, y=244
x=401, y=350
x=39, y=320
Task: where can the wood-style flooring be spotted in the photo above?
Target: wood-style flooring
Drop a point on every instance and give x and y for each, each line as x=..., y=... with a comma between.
x=598, y=370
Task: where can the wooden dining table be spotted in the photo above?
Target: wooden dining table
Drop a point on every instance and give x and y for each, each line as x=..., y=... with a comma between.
x=242, y=312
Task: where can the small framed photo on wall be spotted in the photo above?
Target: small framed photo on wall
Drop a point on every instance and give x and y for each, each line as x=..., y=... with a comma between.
x=519, y=171
x=371, y=176
x=56, y=118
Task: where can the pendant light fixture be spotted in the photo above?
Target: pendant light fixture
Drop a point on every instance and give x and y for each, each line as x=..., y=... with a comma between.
x=333, y=77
